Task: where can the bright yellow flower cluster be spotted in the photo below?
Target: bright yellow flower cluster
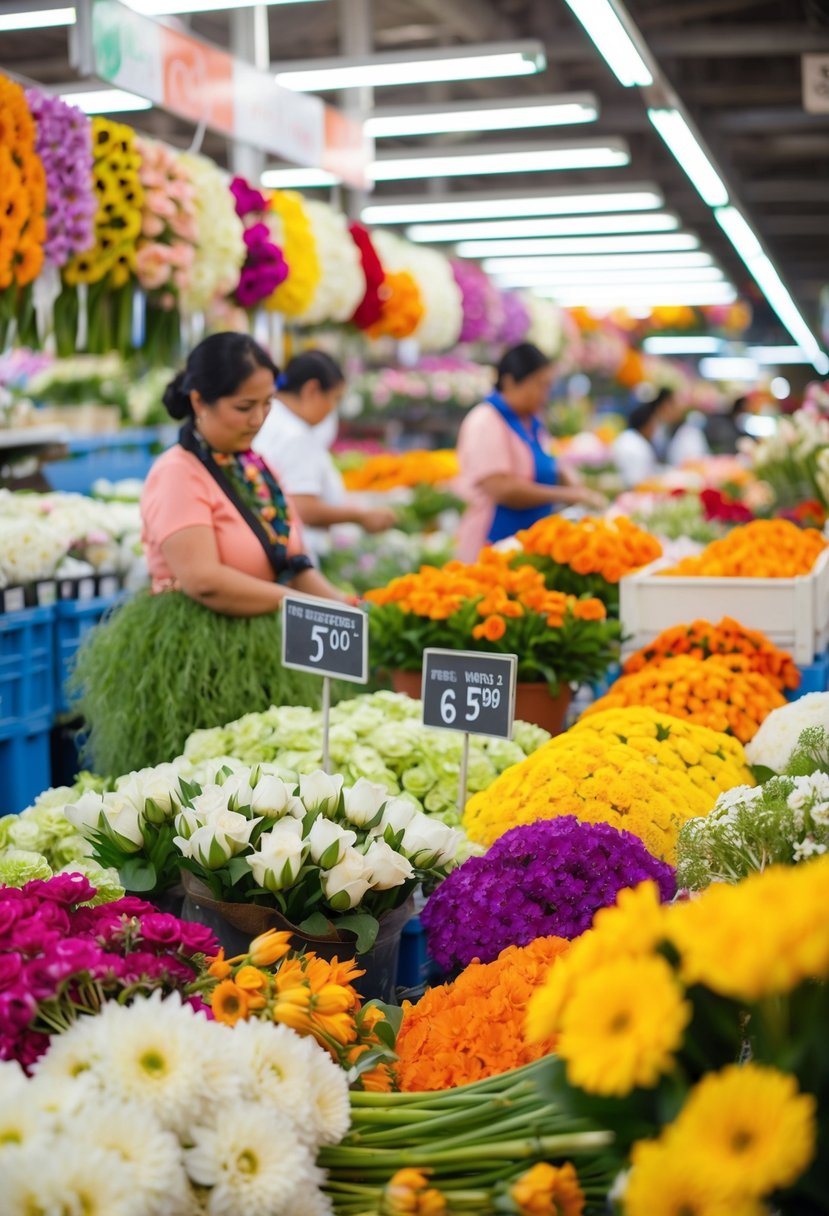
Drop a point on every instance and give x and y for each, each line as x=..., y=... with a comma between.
x=637, y=769
x=294, y=296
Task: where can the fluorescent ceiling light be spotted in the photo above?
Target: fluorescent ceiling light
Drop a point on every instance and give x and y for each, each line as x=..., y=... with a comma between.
x=377, y=71
x=631, y=262
x=297, y=179
x=106, y=101
x=764, y=273
x=746, y=370
x=689, y=154
x=615, y=278
x=161, y=8
x=778, y=355
x=612, y=40
x=656, y=243
x=587, y=225
x=37, y=19
x=484, y=116
x=694, y=295
x=497, y=206
x=682, y=346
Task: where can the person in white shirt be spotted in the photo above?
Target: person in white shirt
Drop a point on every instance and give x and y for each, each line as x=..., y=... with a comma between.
x=295, y=441
x=634, y=451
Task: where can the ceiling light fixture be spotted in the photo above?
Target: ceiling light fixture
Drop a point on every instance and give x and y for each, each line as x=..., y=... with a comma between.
x=498, y=206
x=511, y=115
x=682, y=346
x=298, y=179
x=163, y=8
x=105, y=101
x=613, y=41
x=422, y=67
x=672, y=242
x=778, y=355
x=689, y=154
x=588, y=225
x=729, y=368
x=745, y=241
x=617, y=279
x=36, y=19
x=692, y=294
x=631, y=262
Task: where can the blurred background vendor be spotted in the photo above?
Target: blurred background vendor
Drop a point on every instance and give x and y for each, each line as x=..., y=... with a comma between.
x=295, y=440
x=509, y=477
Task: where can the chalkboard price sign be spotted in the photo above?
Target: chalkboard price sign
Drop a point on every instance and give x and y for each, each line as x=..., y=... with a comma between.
x=325, y=638
x=470, y=692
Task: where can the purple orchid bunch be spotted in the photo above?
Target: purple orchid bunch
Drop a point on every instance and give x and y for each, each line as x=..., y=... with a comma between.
x=64, y=144
x=515, y=324
x=544, y=879
x=265, y=266
x=481, y=301
x=61, y=957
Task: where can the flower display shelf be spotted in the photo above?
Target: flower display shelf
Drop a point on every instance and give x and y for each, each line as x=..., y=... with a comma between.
x=792, y=612
x=533, y=702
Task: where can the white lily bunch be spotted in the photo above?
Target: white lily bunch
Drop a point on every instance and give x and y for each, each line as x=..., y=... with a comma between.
x=152, y=1110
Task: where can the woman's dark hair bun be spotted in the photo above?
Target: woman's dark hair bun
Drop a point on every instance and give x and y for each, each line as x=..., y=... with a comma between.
x=176, y=400
x=215, y=368
x=520, y=362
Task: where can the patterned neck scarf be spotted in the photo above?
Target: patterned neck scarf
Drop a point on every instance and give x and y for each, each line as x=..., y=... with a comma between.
x=257, y=495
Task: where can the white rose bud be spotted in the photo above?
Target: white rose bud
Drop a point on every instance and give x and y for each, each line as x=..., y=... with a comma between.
x=234, y=828
x=427, y=842
x=87, y=813
x=205, y=847
x=237, y=790
x=270, y=797
x=209, y=802
x=363, y=800
x=397, y=815
x=122, y=822
x=319, y=791
x=388, y=868
x=187, y=822
x=328, y=842
x=279, y=859
x=296, y=808
x=347, y=882
x=159, y=784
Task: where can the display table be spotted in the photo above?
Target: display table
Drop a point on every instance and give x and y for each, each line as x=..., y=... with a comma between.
x=24, y=451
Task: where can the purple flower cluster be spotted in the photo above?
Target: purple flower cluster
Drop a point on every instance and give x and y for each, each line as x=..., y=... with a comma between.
x=53, y=948
x=64, y=144
x=265, y=266
x=545, y=879
x=481, y=300
x=515, y=323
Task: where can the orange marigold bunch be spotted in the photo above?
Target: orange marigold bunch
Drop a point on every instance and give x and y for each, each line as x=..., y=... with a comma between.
x=312, y=995
x=402, y=306
x=473, y=1027
x=721, y=692
x=701, y=639
x=762, y=549
x=22, y=191
x=391, y=470
x=611, y=548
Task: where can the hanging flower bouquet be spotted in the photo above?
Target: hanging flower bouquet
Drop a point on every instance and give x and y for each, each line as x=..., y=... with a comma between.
x=220, y=246
x=515, y=319
x=342, y=284
x=291, y=227
x=652, y=1009
x=483, y=312
x=22, y=203
x=265, y=266
x=370, y=308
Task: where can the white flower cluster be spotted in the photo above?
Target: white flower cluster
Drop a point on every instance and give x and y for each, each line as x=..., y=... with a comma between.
x=442, y=319
x=149, y=796
x=220, y=250
x=152, y=1110
x=342, y=283
x=777, y=738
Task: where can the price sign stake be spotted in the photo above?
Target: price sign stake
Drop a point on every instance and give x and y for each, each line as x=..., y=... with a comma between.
x=329, y=640
x=469, y=692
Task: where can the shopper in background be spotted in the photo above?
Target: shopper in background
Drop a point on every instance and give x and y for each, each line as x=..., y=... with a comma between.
x=295, y=441
x=508, y=475
x=634, y=450
x=723, y=431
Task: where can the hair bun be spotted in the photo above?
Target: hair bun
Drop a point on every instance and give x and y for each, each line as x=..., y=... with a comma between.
x=176, y=400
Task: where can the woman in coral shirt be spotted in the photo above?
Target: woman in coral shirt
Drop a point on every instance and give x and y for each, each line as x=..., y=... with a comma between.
x=217, y=524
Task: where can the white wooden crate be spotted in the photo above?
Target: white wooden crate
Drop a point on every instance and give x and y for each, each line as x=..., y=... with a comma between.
x=792, y=612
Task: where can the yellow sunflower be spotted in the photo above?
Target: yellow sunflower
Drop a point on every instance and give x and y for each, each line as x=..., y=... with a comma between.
x=663, y=1182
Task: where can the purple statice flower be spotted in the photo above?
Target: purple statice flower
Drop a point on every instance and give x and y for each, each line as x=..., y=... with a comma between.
x=544, y=879
x=515, y=323
x=64, y=144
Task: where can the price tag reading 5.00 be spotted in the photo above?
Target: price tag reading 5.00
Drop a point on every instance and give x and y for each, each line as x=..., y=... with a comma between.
x=470, y=692
x=325, y=637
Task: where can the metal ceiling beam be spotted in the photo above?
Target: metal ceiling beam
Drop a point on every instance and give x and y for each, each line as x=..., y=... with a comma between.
x=673, y=14
x=767, y=118
x=467, y=17
x=784, y=190
x=739, y=41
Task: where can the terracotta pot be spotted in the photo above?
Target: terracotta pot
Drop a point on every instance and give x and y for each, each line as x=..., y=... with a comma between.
x=408, y=682
x=533, y=703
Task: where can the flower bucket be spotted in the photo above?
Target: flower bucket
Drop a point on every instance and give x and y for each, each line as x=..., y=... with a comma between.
x=235, y=925
x=407, y=682
x=533, y=702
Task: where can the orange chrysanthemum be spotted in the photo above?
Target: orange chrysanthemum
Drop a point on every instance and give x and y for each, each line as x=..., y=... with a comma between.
x=610, y=548
x=22, y=190
x=391, y=470
x=762, y=549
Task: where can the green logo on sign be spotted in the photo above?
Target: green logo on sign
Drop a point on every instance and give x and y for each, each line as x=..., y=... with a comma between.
x=106, y=37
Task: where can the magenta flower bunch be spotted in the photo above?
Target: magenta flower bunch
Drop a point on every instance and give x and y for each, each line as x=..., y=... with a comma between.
x=61, y=957
x=515, y=321
x=63, y=141
x=481, y=301
x=265, y=266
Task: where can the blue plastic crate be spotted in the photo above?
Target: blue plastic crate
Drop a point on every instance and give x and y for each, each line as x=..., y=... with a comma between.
x=608, y=679
x=27, y=650
x=415, y=968
x=73, y=620
x=813, y=678
x=25, y=765
x=126, y=454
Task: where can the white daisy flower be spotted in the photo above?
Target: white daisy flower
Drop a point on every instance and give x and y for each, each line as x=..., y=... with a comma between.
x=328, y=1093
x=72, y=1053
x=51, y=1176
x=310, y=1201
x=251, y=1160
x=275, y=1067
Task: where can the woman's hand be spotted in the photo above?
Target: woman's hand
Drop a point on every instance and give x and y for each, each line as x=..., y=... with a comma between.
x=377, y=519
x=584, y=497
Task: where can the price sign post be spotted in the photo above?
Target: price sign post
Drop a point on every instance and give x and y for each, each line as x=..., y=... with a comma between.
x=329, y=640
x=469, y=692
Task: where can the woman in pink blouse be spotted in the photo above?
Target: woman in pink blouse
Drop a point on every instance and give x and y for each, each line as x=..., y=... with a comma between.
x=508, y=474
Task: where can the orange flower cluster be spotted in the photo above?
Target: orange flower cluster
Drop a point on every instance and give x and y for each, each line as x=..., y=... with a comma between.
x=474, y=1027
x=762, y=549
x=701, y=639
x=721, y=692
x=392, y=470
x=402, y=307
x=408, y=1194
x=611, y=548
x=310, y=994
x=548, y=1190
x=22, y=191
x=505, y=593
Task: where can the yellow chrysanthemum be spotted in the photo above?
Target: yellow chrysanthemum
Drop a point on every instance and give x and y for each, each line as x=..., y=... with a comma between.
x=663, y=1182
x=749, y=1127
x=294, y=296
x=735, y=940
x=622, y=1026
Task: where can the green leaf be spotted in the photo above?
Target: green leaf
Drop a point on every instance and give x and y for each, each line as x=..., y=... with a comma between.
x=138, y=875
x=394, y=1015
x=762, y=774
x=317, y=925
x=238, y=869
x=366, y=928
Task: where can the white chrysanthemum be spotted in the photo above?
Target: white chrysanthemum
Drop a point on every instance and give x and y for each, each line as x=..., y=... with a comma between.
x=150, y=1157
x=310, y=1201
x=275, y=1066
x=20, y=1120
x=251, y=1160
x=72, y=1053
x=50, y=1176
x=328, y=1091
x=777, y=738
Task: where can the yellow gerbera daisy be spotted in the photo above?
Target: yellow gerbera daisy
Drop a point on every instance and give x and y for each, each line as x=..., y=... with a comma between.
x=663, y=1182
x=749, y=1127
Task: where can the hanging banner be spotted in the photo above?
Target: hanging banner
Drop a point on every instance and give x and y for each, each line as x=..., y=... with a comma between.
x=201, y=83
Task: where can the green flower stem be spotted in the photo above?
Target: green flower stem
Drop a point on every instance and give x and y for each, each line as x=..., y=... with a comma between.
x=428, y=1124
x=506, y=1150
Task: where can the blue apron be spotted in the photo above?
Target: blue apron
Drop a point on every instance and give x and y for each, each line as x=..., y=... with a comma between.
x=507, y=520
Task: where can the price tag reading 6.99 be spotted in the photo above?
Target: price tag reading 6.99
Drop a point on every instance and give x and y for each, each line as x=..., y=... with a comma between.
x=325, y=637
x=469, y=692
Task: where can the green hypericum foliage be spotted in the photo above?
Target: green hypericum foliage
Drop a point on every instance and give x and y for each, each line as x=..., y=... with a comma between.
x=163, y=666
